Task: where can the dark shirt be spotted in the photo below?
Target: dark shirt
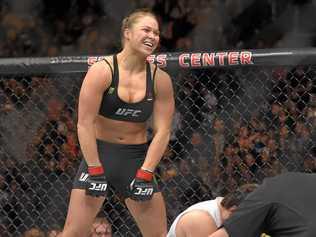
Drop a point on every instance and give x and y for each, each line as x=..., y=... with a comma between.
x=283, y=206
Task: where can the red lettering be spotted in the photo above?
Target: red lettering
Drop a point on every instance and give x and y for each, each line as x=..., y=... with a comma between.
x=233, y=58
x=208, y=59
x=221, y=56
x=182, y=58
x=151, y=58
x=246, y=57
x=91, y=60
x=196, y=60
x=162, y=60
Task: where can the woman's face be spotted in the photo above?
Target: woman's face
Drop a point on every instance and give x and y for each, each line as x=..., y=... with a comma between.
x=143, y=36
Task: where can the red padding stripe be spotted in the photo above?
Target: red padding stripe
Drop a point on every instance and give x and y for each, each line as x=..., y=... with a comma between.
x=95, y=170
x=145, y=175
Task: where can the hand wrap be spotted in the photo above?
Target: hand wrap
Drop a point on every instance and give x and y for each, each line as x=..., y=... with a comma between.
x=96, y=184
x=142, y=187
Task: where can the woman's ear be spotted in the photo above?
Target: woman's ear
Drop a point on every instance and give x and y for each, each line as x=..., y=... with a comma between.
x=127, y=34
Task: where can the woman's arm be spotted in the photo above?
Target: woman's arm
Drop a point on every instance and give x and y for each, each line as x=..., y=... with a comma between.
x=96, y=81
x=195, y=223
x=162, y=119
x=220, y=233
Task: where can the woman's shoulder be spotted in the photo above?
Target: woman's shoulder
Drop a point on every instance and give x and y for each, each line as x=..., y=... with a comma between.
x=104, y=64
x=101, y=71
x=108, y=59
x=157, y=71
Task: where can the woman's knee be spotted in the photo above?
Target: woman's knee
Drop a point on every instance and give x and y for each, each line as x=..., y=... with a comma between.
x=148, y=214
x=81, y=213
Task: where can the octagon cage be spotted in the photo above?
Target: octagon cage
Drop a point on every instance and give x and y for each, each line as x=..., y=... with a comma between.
x=240, y=116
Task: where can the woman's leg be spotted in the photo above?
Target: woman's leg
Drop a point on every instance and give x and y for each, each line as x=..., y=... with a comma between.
x=81, y=213
x=150, y=216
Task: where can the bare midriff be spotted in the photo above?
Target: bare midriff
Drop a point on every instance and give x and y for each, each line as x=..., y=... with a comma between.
x=122, y=132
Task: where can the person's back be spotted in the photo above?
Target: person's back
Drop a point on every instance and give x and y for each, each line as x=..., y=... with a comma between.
x=211, y=207
x=204, y=218
x=293, y=196
x=282, y=206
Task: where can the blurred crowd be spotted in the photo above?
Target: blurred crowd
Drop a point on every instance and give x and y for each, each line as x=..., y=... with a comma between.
x=231, y=127
x=100, y=228
x=81, y=27
x=223, y=140
x=225, y=133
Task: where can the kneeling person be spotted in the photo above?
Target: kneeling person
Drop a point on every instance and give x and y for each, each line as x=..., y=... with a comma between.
x=204, y=218
x=283, y=205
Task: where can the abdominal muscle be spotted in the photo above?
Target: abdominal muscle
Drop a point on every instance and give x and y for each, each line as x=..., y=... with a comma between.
x=121, y=132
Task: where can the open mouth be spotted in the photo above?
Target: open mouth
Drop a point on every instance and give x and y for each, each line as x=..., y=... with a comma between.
x=149, y=44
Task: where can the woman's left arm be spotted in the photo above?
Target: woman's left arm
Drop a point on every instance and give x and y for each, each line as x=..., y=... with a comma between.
x=162, y=119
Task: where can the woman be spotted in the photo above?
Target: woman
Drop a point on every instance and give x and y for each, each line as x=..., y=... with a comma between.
x=117, y=97
x=204, y=218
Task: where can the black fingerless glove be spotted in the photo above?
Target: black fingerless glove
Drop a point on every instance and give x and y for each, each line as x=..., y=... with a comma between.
x=96, y=184
x=142, y=187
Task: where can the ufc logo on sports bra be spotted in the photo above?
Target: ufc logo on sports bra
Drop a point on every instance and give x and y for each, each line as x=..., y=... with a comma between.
x=98, y=187
x=144, y=191
x=128, y=112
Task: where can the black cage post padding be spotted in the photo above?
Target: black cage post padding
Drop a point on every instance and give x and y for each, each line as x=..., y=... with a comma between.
x=241, y=116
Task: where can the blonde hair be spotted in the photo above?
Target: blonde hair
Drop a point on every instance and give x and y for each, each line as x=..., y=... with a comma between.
x=132, y=18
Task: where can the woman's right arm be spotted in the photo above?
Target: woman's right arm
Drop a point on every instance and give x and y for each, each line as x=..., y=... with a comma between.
x=97, y=79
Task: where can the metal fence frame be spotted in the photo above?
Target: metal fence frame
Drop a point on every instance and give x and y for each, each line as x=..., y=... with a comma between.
x=212, y=89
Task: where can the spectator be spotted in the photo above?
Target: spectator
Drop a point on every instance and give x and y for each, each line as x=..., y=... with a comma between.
x=34, y=232
x=4, y=197
x=3, y=231
x=101, y=228
x=253, y=146
x=218, y=138
x=53, y=233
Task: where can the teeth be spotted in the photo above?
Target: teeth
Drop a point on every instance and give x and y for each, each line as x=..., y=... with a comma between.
x=148, y=44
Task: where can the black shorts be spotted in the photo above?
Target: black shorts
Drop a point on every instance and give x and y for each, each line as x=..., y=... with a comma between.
x=120, y=163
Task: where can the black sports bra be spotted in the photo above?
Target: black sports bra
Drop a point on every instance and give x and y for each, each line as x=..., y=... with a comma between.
x=114, y=108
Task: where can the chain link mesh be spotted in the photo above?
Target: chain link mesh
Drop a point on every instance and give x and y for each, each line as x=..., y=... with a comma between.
x=231, y=126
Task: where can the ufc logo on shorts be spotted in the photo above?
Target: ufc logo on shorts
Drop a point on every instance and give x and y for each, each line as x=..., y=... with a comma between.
x=98, y=187
x=144, y=191
x=128, y=112
x=83, y=177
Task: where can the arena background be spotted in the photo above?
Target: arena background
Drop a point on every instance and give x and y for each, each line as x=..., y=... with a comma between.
x=250, y=115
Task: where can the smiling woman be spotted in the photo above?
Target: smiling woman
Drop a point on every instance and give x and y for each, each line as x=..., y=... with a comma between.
x=148, y=23
x=118, y=96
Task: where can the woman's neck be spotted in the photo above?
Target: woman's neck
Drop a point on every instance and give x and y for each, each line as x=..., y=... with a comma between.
x=131, y=61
